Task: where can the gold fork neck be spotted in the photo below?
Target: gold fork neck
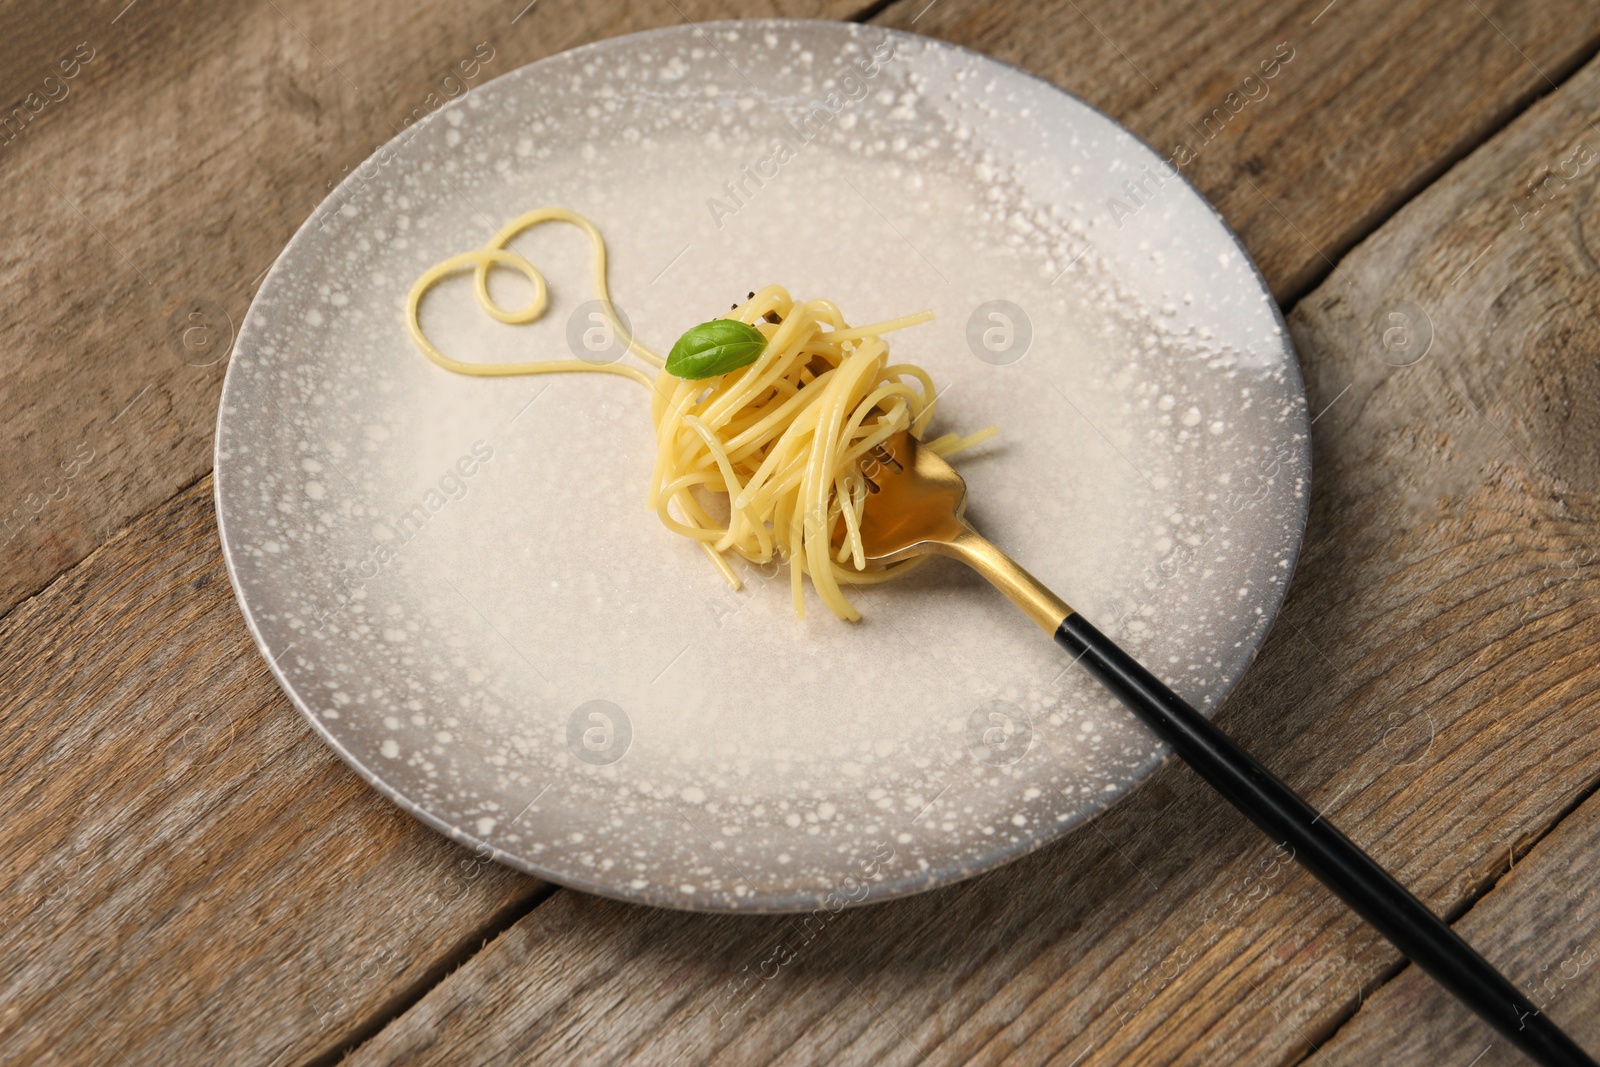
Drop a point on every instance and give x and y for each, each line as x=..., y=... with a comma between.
x=1021, y=588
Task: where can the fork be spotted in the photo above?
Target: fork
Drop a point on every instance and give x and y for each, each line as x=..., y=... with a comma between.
x=916, y=506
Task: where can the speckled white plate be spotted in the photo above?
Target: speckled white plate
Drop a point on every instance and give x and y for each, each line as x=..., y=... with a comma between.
x=459, y=585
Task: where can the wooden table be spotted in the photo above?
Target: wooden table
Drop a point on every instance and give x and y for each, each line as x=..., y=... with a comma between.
x=190, y=876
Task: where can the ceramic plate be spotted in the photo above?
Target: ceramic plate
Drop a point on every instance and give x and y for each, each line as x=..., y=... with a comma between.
x=458, y=583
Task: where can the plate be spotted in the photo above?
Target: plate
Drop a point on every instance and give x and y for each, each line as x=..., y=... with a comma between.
x=458, y=583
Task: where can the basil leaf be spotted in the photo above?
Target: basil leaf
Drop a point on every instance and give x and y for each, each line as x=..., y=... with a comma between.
x=713, y=348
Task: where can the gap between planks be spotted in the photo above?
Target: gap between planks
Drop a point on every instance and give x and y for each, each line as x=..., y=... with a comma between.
x=1455, y=915
x=63, y=576
x=473, y=942
x=1553, y=81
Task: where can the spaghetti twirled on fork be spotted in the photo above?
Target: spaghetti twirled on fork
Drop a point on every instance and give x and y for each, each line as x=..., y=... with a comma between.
x=763, y=460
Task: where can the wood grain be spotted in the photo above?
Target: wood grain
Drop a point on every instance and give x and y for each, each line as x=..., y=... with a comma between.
x=1432, y=685
x=191, y=874
x=1541, y=926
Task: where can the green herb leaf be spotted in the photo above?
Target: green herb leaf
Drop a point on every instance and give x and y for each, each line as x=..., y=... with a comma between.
x=713, y=348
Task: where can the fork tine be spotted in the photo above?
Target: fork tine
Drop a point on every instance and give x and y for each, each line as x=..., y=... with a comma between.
x=886, y=457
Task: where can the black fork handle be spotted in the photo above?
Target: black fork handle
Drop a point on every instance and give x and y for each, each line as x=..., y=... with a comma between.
x=1357, y=878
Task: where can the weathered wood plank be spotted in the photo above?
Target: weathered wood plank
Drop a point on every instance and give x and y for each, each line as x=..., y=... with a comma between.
x=161, y=183
x=1541, y=925
x=1432, y=685
x=190, y=873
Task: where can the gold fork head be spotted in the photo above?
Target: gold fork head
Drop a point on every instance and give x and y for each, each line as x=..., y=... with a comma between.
x=915, y=502
x=916, y=506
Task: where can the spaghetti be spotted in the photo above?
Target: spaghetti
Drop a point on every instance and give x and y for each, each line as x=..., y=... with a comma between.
x=760, y=461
